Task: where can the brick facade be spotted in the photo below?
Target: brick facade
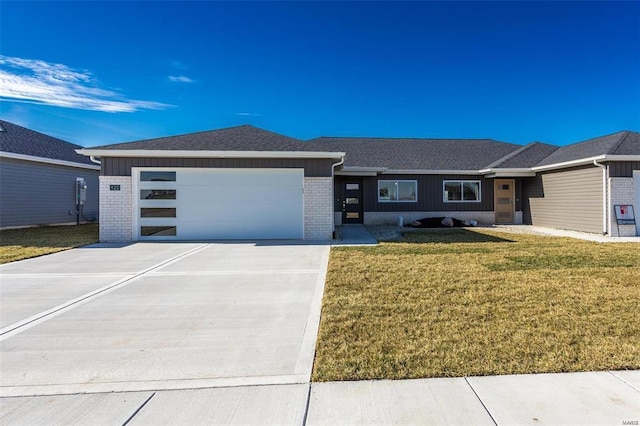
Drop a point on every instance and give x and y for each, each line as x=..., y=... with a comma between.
x=318, y=208
x=621, y=192
x=116, y=211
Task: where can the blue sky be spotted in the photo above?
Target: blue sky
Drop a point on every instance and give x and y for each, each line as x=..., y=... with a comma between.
x=96, y=73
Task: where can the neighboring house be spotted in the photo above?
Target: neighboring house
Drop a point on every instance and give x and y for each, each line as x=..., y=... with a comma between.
x=38, y=176
x=248, y=183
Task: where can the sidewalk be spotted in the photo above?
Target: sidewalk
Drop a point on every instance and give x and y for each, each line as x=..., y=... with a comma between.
x=598, y=398
x=595, y=398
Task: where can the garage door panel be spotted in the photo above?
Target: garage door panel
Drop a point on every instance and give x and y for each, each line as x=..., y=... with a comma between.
x=251, y=227
x=236, y=204
x=248, y=197
x=236, y=177
x=267, y=212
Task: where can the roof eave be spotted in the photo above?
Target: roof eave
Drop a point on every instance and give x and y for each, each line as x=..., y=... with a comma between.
x=206, y=154
x=508, y=172
x=430, y=172
x=45, y=160
x=585, y=161
x=359, y=171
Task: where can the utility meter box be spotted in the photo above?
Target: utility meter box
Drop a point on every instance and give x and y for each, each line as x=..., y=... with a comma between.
x=81, y=191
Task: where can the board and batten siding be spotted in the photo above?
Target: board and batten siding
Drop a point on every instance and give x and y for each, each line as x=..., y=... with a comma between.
x=33, y=193
x=121, y=166
x=430, y=194
x=623, y=168
x=568, y=199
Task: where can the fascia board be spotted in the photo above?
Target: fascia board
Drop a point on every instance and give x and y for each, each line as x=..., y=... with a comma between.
x=622, y=158
x=572, y=163
x=206, y=154
x=514, y=172
x=354, y=173
x=48, y=160
x=430, y=172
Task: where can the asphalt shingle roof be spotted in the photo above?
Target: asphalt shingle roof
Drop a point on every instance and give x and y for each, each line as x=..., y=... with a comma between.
x=621, y=143
x=20, y=140
x=416, y=154
x=396, y=153
x=240, y=138
x=525, y=157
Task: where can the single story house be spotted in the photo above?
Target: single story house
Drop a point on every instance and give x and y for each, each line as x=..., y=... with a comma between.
x=39, y=177
x=248, y=183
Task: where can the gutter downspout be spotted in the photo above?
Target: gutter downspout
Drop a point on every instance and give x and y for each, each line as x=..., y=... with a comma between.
x=605, y=207
x=333, y=201
x=93, y=160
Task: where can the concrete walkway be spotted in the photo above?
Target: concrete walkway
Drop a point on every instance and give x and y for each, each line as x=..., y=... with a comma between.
x=355, y=235
x=224, y=334
x=540, y=230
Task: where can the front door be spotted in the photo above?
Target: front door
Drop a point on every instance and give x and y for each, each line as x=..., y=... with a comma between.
x=352, y=201
x=504, y=194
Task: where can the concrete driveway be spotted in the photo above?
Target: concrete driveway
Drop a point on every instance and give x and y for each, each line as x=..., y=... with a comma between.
x=160, y=316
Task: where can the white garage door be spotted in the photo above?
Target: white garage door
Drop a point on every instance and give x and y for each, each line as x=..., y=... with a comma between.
x=211, y=204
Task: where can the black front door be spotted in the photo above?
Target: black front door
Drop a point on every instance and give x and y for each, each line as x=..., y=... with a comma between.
x=352, y=201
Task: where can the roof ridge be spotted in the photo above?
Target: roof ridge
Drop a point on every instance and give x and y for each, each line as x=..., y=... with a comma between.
x=597, y=137
x=512, y=154
x=200, y=132
x=622, y=139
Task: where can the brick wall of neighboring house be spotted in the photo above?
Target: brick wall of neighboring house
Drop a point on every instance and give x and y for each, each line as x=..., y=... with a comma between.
x=621, y=192
x=318, y=208
x=116, y=211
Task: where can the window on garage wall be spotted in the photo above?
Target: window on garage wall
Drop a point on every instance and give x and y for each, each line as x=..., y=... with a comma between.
x=397, y=191
x=461, y=191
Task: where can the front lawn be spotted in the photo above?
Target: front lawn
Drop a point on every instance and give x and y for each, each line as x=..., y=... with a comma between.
x=17, y=244
x=465, y=303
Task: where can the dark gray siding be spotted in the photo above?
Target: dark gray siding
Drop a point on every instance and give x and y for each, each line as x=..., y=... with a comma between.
x=34, y=193
x=531, y=188
x=115, y=166
x=430, y=194
x=566, y=199
x=623, y=168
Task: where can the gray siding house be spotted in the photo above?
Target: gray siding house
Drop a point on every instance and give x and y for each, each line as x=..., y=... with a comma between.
x=38, y=179
x=248, y=183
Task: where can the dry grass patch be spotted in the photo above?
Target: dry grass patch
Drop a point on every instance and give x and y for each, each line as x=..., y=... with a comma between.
x=18, y=244
x=462, y=303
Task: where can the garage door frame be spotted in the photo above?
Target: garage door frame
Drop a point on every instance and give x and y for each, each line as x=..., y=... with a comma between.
x=137, y=185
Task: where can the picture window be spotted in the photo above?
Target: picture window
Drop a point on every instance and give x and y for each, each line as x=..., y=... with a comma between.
x=397, y=191
x=461, y=191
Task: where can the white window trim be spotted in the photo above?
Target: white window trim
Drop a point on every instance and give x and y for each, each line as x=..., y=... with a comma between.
x=461, y=182
x=415, y=182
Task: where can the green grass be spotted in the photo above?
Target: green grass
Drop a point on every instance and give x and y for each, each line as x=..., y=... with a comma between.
x=18, y=244
x=460, y=303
